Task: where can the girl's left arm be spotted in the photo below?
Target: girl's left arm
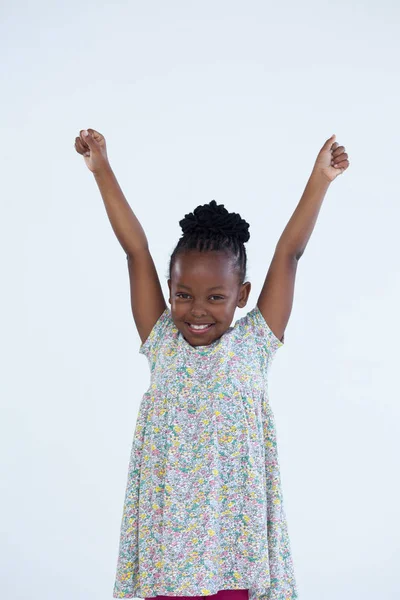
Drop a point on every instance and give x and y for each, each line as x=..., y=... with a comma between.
x=276, y=298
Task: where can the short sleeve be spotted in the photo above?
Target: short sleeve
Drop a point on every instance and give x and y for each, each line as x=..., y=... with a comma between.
x=161, y=329
x=256, y=330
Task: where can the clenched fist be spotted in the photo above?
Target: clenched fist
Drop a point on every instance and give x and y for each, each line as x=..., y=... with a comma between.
x=92, y=146
x=332, y=159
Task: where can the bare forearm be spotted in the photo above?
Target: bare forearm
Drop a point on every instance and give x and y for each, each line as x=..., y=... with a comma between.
x=297, y=232
x=124, y=222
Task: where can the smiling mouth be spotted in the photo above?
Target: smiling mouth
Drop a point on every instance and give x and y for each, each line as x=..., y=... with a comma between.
x=199, y=327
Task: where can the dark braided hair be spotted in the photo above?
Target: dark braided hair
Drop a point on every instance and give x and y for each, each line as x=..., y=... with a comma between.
x=211, y=227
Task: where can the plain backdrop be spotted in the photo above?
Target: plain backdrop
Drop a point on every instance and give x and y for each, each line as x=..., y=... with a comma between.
x=197, y=100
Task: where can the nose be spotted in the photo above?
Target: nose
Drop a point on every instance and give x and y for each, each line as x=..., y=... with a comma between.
x=198, y=310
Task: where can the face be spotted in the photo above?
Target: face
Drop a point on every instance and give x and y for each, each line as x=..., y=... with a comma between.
x=205, y=291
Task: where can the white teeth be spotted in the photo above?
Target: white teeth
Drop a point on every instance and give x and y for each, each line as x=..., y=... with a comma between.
x=199, y=326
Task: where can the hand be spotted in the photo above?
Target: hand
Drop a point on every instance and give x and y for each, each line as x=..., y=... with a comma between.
x=92, y=145
x=332, y=160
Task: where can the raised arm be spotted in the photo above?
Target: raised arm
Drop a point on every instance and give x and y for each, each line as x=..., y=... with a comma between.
x=147, y=300
x=276, y=298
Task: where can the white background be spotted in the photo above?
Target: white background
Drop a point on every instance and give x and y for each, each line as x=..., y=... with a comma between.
x=197, y=100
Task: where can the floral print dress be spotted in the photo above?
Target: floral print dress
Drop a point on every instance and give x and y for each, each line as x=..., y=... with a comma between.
x=203, y=509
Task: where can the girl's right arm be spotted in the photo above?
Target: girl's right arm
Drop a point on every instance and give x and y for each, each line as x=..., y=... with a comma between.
x=147, y=300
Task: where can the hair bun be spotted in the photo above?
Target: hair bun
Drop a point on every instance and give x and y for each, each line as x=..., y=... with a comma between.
x=214, y=218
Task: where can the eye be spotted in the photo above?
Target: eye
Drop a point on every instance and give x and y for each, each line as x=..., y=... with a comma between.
x=182, y=295
x=217, y=297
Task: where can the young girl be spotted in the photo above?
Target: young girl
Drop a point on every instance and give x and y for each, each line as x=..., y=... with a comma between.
x=203, y=512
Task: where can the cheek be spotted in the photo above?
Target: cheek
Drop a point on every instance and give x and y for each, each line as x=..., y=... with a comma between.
x=178, y=309
x=225, y=312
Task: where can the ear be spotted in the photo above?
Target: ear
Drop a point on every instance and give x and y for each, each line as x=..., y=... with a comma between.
x=169, y=287
x=244, y=294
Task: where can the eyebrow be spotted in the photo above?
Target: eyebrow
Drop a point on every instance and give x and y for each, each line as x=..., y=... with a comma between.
x=216, y=287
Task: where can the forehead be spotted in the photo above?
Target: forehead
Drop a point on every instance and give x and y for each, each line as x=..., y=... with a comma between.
x=209, y=268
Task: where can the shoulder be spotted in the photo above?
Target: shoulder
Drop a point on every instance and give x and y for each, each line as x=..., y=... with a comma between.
x=163, y=329
x=253, y=329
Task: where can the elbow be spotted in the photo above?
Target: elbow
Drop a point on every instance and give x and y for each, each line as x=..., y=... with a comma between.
x=293, y=254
